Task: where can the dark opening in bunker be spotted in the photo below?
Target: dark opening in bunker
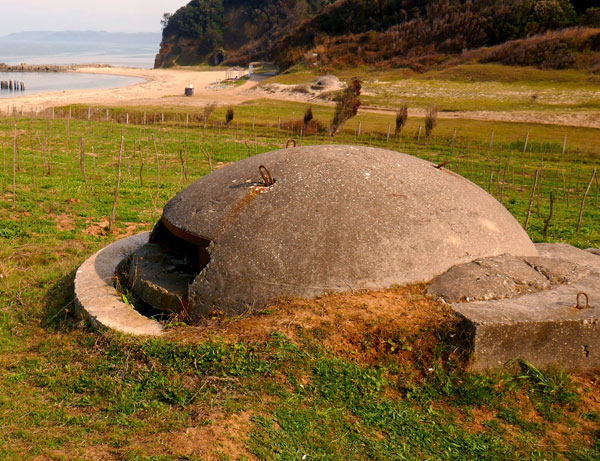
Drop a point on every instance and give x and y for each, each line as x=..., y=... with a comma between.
x=161, y=271
x=195, y=248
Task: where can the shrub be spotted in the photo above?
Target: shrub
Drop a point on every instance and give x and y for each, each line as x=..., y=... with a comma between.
x=430, y=120
x=308, y=116
x=547, y=51
x=401, y=118
x=347, y=106
x=228, y=116
x=591, y=17
x=208, y=110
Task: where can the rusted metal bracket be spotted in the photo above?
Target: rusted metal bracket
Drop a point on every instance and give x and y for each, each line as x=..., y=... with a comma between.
x=289, y=141
x=441, y=165
x=266, y=175
x=587, y=301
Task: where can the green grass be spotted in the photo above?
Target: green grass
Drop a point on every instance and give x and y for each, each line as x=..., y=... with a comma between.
x=469, y=87
x=67, y=392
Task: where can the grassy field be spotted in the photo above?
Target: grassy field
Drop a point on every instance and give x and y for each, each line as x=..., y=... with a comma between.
x=469, y=87
x=297, y=381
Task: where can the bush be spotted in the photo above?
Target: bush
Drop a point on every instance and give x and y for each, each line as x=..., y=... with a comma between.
x=591, y=17
x=430, y=120
x=347, y=105
x=228, y=116
x=308, y=116
x=543, y=51
x=401, y=118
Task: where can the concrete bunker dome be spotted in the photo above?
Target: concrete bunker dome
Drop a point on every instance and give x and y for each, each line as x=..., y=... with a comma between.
x=337, y=218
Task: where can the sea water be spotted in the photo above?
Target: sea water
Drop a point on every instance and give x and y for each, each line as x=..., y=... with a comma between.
x=42, y=82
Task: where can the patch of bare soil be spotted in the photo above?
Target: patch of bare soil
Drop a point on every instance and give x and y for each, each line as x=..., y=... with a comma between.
x=95, y=453
x=96, y=228
x=366, y=325
x=64, y=222
x=213, y=438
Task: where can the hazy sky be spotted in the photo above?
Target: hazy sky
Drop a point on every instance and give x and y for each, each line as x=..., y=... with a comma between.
x=109, y=15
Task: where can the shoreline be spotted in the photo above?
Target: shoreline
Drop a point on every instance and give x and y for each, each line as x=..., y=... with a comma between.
x=50, y=68
x=165, y=87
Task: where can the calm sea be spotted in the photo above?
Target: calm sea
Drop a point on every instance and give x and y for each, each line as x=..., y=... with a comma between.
x=130, y=53
x=41, y=82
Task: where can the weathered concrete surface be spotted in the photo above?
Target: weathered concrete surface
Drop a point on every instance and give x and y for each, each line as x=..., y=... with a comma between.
x=338, y=218
x=160, y=278
x=543, y=328
x=502, y=277
x=96, y=296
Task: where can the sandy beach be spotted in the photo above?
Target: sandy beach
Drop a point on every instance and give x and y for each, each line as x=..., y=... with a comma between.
x=165, y=87
x=161, y=87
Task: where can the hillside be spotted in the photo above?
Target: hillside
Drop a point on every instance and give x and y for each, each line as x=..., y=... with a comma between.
x=397, y=33
x=209, y=30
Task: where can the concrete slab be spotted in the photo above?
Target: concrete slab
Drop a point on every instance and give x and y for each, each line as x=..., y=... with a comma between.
x=98, y=299
x=543, y=328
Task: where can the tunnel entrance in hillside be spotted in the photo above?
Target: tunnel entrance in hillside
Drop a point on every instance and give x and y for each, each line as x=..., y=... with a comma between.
x=218, y=57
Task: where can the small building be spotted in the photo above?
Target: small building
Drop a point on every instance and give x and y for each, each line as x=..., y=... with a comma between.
x=235, y=73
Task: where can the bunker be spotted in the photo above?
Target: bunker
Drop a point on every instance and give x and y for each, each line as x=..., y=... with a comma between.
x=307, y=221
x=332, y=218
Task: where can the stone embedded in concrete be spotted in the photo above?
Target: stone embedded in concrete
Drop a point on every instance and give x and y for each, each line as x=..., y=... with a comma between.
x=97, y=298
x=502, y=277
x=543, y=328
x=337, y=218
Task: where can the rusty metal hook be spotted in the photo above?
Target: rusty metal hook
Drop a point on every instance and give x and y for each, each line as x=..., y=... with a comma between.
x=287, y=144
x=439, y=167
x=266, y=175
x=587, y=301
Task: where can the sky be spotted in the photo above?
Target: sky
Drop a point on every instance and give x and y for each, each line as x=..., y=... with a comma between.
x=108, y=15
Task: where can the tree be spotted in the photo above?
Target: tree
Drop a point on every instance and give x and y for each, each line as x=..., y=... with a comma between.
x=591, y=17
x=164, y=22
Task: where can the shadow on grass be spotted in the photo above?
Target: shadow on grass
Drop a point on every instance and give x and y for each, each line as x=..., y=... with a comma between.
x=60, y=312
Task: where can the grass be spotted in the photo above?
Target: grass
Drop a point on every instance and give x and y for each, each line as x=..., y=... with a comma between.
x=469, y=87
x=67, y=392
